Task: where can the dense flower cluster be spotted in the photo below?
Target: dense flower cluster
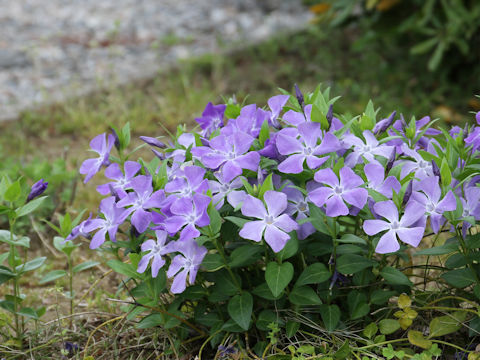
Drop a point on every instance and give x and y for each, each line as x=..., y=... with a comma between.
x=270, y=167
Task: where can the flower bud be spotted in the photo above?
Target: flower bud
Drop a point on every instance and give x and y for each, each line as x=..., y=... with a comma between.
x=477, y=117
x=37, y=189
x=384, y=124
x=329, y=115
x=299, y=96
x=153, y=142
x=158, y=154
x=116, y=138
x=408, y=193
x=391, y=161
x=435, y=168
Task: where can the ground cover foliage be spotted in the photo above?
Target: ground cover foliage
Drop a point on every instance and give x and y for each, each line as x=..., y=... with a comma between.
x=378, y=332
x=287, y=232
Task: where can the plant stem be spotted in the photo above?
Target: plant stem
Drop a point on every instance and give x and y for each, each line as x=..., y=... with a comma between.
x=15, y=285
x=70, y=274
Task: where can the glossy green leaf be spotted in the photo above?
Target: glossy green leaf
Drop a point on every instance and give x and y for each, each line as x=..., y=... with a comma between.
x=240, y=309
x=278, y=276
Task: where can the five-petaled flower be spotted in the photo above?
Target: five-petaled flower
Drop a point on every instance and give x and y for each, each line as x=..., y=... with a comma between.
x=102, y=145
x=186, y=264
x=156, y=250
x=336, y=193
x=114, y=217
x=273, y=223
x=309, y=146
x=406, y=228
x=140, y=200
x=230, y=152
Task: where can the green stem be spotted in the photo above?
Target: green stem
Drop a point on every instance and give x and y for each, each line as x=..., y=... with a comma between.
x=70, y=273
x=222, y=254
x=15, y=285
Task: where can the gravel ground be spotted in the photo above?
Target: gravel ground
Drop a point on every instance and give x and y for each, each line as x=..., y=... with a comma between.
x=50, y=50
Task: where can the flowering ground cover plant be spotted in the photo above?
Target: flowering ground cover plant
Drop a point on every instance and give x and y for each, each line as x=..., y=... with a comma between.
x=268, y=224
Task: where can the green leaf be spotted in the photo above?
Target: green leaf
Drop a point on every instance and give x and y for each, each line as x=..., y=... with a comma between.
x=445, y=173
x=444, y=325
x=278, y=276
x=52, y=275
x=304, y=295
x=330, y=315
x=437, y=56
x=352, y=239
x=394, y=276
x=212, y=262
x=240, y=309
x=237, y=221
x=265, y=318
x=13, y=192
x=267, y=185
x=84, y=266
x=313, y=274
x=319, y=117
x=65, y=247
x=459, y=278
x=416, y=338
x=245, y=255
x=30, y=265
x=151, y=321
x=388, y=326
x=28, y=312
x=424, y=46
x=290, y=248
x=357, y=305
x=215, y=219
x=5, y=237
x=291, y=328
x=264, y=133
x=343, y=352
x=352, y=263
x=124, y=269
x=439, y=250
x=370, y=330
x=264, y=292
x=30, y=206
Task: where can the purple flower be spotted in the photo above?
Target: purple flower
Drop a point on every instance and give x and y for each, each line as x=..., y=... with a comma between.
x=276, y=105
x=37, y=189
x=404, y=228
x=190, y=183
x=249, y=121
x=188, y=213
x=275, y=224
x=428, y=195
x=299, y=96
x=471, y=207
x=114, y=217
x=153, y=142
x=122, y=182
x=365, y=150
x=297, y=204
x=384, y=124
x=212, y=118
x=141, y=199
x=296, y=118
x=473, y=138
x=305, y=147
x=420, y=167
x=79, y=230
x=186, y=264
x=102, y=145
x=221, y=189
x=376, y=180
x=336, y=193
x=156, y=249
x=229, y=152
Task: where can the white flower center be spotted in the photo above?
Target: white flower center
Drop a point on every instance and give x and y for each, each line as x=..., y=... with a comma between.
x=395, y=225
x=338, y=190
x=269, y=219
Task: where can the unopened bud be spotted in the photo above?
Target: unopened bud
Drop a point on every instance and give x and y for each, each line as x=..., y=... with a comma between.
x=408, y=193
x=153, y=142
x=299, y=96
x=117, y=139
x=435, y=168
x=329, y=115
x=37, y=189
x=391, y=161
